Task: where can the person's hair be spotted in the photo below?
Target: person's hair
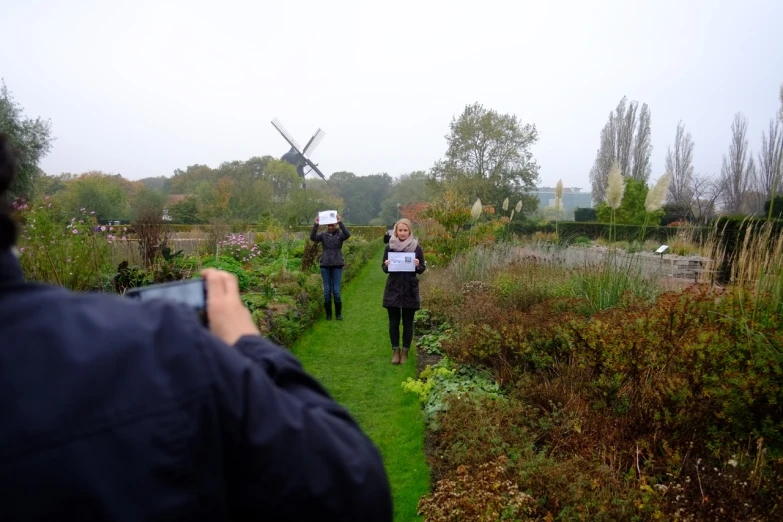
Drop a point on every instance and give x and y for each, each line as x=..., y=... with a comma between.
x=8, y=166
x=404, y=221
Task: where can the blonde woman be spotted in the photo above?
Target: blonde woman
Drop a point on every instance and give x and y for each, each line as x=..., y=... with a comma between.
x=401, y=297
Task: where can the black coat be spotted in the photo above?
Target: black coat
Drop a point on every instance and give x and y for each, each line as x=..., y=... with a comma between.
x=113, y=409
x=402, y=288
x=332, y=243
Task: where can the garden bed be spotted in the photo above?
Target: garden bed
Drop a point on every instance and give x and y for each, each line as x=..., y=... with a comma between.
x=615, y=401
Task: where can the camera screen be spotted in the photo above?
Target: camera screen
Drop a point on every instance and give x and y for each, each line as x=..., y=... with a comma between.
x=191, y=293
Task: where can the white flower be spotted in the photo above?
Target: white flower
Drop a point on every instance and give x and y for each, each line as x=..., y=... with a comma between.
x=657, y=195
x=505, y=204
x=615, y=188
x=476, y=210
x=733, y=463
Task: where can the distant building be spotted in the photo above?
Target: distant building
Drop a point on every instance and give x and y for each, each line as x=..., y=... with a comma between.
x=573, y=198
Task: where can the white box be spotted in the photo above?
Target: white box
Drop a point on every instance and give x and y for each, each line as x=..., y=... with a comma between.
x=327, y=217
x=402, y=262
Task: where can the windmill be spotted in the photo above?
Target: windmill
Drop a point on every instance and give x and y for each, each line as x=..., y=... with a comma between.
x=296, y=156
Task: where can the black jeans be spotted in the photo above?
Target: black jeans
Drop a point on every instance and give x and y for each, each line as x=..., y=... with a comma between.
x=407, y=327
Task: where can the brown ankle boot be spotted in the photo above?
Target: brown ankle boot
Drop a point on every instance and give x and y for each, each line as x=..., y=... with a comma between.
x=396, y=357
x=403, y=356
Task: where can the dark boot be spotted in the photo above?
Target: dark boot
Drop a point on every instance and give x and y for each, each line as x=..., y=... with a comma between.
x=396, y=356
x=338, y=309
x=328, y=308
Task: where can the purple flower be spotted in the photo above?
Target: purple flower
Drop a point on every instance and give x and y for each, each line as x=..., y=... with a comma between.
x=103, y=229
x=75, y=231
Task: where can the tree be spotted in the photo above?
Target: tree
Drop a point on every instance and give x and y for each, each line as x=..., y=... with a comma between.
x=488, y=156
x=707, y=191
x=362, y=195
x=186, y=181
x=679, y=162
x=32, y=139
x=770, y=160
x=105, y=194
x=781, y=102
x=185, y=212
x=159, y=183
x=406, y=190
x=146, y=202
x=626, y=141
x=631, y=210
x=738, y=170
x=304, y=204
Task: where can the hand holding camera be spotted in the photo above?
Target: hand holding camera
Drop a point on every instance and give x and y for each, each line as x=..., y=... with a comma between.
x=229, y=319
x=215, y=298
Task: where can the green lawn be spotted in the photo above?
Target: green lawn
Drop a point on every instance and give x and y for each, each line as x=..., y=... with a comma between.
x=352, y=358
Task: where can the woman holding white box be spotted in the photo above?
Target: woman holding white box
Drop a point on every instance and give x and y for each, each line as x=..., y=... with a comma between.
x=403, y=259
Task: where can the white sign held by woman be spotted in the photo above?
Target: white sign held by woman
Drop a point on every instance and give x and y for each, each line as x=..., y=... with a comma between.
x=402, y=262
x=327, y=217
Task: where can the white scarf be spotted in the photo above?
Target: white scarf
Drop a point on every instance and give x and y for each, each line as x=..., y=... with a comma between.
x=409, y=245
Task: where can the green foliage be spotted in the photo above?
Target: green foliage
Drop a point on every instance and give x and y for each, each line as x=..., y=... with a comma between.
x=145, y=201
x=105, y=194
x=362, y=195
x=444, y=380
x=631, y=211
x=130, y=277
x=633, y=384
x=185, y=212
x=431, y=342
x=777, y=207
x=585, y=214
x=32, y=140
x=229, y=264
x=73, y=253
x=594, y=231
x=488, y=156
x=608, y=284
x=405, y=190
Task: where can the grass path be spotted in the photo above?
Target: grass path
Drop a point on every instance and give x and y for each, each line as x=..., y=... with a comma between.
x=352, y=359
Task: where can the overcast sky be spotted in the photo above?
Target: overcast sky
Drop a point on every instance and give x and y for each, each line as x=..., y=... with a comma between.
x=144, y=87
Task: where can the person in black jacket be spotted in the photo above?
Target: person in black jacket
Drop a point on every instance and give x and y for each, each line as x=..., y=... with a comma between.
x=388, y=234
x=332, y=263
x=114, y=409
x=401, y=296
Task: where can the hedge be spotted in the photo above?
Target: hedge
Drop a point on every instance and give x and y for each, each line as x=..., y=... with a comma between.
x=731, y=232
x=594, y=230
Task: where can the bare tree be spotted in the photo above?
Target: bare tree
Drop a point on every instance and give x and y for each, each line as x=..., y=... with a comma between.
x=625, y=139
x=706, y=192
x=679, y=162
x=770, y=160
x=738, y=170
x=642, y=148
x=781, y=102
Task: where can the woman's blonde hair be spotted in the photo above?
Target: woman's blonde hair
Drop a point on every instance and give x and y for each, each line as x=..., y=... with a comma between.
x=404, y=221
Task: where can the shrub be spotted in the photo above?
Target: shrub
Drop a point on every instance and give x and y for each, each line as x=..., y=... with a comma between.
x=74, y=253
x=585, y=214
x=485, y=494
x=436, y=384
x=229, y=264
x=238, y=247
